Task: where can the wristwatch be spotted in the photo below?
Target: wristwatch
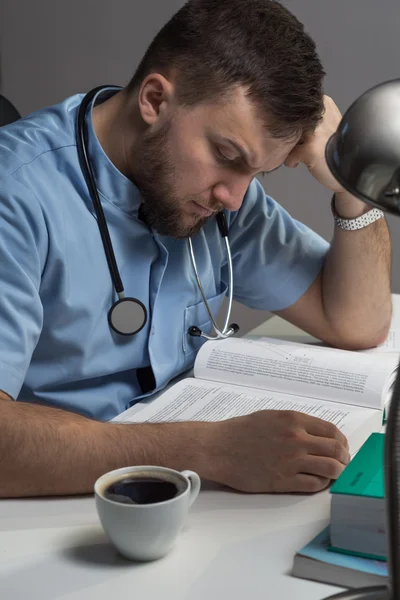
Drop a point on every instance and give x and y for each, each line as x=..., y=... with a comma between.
x=359, y=222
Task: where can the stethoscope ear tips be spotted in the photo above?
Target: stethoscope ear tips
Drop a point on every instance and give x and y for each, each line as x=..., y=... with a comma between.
x=194, y=331
x=235, y=328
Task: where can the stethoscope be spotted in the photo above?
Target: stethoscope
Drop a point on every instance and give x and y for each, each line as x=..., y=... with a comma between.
x=128, y=315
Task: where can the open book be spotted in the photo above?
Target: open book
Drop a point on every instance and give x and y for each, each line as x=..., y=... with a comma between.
x=238, y=376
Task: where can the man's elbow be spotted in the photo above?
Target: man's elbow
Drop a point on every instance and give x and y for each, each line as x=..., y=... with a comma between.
x=361, y=337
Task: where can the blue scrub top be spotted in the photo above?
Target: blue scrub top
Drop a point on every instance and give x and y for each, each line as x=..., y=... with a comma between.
x=56, y=346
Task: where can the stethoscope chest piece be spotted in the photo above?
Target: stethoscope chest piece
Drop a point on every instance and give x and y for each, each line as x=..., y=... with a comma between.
x=127, y=316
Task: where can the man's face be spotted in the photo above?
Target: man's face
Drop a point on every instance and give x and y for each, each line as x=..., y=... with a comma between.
x=201, y=160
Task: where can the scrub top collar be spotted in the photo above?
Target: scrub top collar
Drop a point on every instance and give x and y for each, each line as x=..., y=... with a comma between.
x=111, y=183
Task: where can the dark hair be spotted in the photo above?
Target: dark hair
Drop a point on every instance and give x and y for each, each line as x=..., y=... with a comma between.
x=214, y=46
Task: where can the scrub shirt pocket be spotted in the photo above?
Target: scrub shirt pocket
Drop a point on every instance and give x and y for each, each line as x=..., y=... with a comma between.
x=197, y=315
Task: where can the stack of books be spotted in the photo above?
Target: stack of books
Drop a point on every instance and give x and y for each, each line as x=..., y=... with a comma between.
x=352, y=552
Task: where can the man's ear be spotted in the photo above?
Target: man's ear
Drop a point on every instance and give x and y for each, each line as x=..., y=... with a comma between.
x=155, y=98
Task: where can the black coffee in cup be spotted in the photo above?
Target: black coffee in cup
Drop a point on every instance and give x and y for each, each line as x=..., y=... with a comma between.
x=143, y=488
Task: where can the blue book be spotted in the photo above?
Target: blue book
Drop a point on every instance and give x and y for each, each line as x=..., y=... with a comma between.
x=317, y=562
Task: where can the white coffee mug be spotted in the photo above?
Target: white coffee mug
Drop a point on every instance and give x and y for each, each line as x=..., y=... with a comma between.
x=146, y=531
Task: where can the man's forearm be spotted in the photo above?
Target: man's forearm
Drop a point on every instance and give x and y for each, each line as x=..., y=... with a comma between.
x=356, y=279
x=47, y=451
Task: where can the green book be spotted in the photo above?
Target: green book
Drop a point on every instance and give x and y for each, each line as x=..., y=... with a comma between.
x=364, y=475
x=358, y=520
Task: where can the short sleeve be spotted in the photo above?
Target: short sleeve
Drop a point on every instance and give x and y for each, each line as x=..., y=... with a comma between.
x=23, y=250
x=275, y=257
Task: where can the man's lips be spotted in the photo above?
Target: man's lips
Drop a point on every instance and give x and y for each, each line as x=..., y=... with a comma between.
x=201, y=210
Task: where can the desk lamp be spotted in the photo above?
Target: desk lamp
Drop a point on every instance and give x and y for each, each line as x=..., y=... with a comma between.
x=364, y=157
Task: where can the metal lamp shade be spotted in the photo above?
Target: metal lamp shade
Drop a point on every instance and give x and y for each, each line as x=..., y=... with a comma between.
x=364, y=153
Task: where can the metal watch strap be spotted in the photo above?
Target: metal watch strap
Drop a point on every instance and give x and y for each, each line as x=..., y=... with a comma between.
x=359, y=222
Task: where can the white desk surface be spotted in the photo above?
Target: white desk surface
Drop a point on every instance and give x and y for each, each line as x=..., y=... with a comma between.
x=234, y=546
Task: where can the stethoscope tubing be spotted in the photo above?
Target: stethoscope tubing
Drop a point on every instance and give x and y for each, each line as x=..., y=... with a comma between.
x=87, y=171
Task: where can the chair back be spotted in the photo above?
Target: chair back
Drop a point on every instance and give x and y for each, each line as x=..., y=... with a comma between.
x=8, y=112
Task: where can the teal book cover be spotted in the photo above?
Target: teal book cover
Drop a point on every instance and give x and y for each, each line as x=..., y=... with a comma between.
x=354, y=553
x=364, y=475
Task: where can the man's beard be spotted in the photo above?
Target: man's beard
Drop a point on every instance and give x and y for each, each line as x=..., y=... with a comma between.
x=156, y=177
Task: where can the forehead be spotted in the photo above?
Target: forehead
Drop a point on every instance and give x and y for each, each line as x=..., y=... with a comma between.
x=236, y=118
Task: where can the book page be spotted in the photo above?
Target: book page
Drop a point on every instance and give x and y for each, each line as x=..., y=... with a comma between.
x=198, y=400
x=299, y=369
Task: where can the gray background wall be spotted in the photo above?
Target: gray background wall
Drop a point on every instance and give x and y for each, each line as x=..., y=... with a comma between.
x=50, y=49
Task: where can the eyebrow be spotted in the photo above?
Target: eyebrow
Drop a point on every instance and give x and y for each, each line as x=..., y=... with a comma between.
x=244, y=155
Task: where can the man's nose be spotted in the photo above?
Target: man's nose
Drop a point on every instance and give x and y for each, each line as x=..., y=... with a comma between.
x=231, y=193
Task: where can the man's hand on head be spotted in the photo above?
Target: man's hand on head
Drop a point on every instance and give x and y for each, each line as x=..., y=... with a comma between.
x=311, y=149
